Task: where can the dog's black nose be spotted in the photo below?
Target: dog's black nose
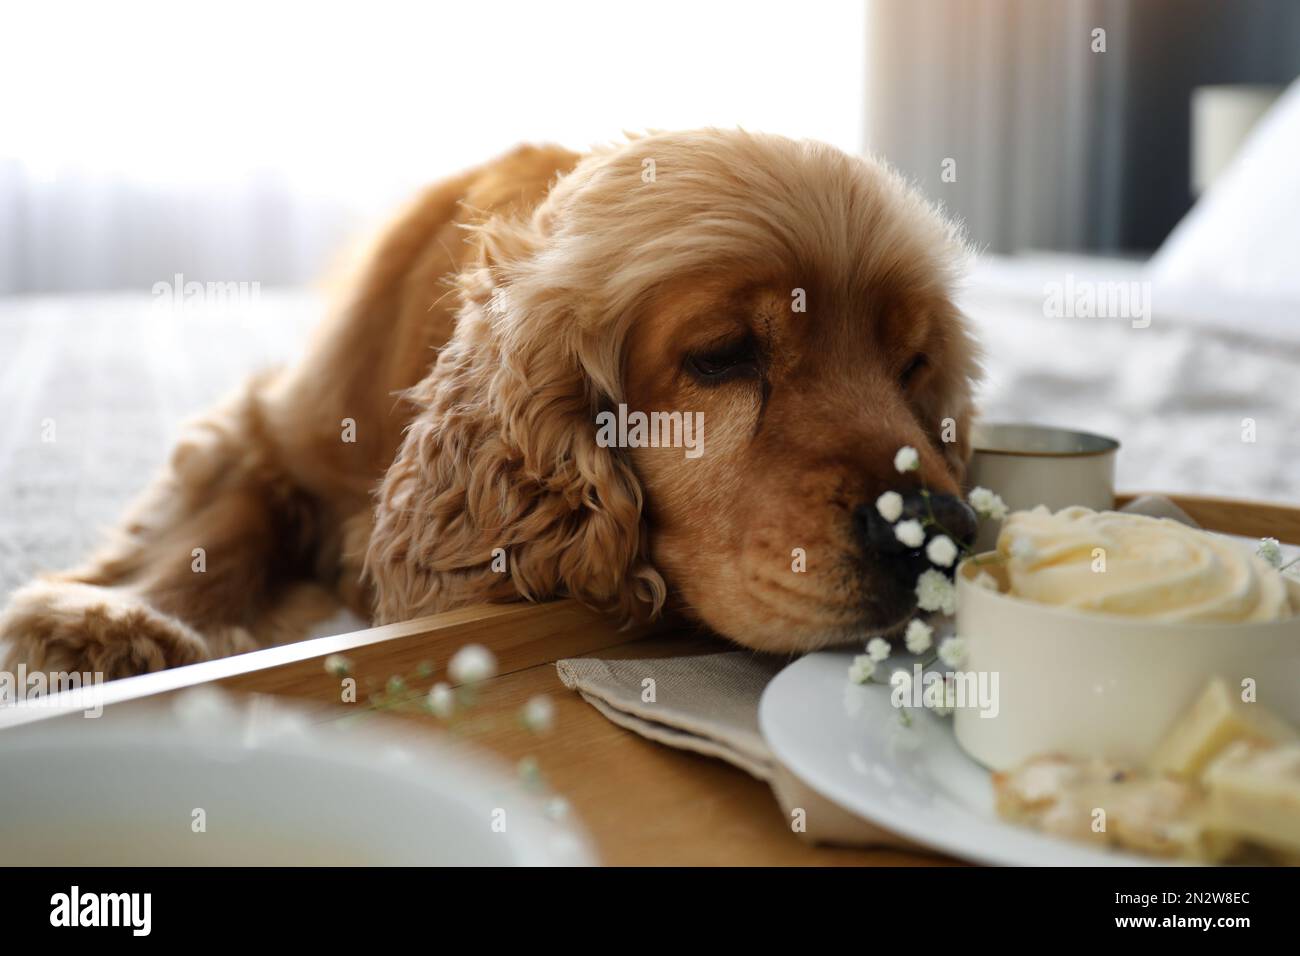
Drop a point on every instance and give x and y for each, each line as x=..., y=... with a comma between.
x=954, y=518
x=939, y=514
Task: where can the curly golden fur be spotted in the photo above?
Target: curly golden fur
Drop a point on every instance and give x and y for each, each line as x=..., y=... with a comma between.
x=486, y=330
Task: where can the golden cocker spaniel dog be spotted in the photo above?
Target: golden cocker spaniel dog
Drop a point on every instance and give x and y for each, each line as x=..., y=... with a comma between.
x=442, y=441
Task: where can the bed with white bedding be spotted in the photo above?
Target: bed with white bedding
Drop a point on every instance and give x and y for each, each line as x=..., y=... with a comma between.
x=95, y=387
x=1180, y=394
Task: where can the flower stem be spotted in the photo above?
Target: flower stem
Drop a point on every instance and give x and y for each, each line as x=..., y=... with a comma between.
x=931, y=521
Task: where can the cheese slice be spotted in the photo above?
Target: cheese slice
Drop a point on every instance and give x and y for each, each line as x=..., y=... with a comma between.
x=1102, y=803
x=1218, y=718
x=1254, y=792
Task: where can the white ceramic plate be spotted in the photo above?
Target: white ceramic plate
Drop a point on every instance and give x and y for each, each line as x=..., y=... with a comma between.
x=846, y=742
x=274, y=788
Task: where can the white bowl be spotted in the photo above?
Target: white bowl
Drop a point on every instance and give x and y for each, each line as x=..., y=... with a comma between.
x=270, y=786
x=1099, y=685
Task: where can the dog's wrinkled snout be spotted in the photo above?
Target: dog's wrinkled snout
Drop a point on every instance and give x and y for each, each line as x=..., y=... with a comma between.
x=939, y=514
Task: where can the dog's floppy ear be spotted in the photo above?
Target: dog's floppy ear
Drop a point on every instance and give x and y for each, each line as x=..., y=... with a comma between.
x=957, y=423
x=950, y=405
x=499, y=489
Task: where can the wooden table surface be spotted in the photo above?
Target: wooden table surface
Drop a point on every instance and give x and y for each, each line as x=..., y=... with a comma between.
x=642, y=803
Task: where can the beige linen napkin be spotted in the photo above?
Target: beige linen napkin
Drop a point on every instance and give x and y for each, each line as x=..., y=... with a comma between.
x=708, y=704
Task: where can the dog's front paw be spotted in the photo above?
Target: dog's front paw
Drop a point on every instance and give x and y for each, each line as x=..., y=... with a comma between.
x=56, y=626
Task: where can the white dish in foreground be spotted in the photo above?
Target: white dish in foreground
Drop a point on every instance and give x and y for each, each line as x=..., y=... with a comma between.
x=846, y=742
x=274, y=788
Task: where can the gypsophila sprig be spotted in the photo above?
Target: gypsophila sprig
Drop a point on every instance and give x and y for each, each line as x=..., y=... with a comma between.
x=890, y=506
x=453, y=707
x=910, y=533
x=878, y=649
x=530, y=773
x=949, y=698
x=934, y=592
x=441, y=700
x=1270, y=549
x=918, y=636
x=941, y=551
x=538, y=715
x=906, y=459
x=472, y=664
x=953, y=652
x=987, y=504
x=861, y=669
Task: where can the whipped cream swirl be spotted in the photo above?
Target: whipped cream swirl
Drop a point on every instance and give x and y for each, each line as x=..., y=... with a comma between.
x=1154, y=567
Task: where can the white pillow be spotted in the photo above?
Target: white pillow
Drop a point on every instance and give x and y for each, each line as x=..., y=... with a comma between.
x=1243, y=237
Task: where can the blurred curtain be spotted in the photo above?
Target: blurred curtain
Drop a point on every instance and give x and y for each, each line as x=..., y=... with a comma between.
x=1056, y=146
x=70, y=229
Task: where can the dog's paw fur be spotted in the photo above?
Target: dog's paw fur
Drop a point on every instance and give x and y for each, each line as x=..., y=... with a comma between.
x=57, y=626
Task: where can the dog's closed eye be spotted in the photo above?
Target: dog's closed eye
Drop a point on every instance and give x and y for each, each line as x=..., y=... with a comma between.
x=915, y=366
x=724, y=362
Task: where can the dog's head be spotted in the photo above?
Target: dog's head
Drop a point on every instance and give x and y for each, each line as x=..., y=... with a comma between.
x=685, y=377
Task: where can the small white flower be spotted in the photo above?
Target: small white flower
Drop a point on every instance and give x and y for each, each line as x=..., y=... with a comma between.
x=530, y=773
x=907, y=459
x=890, y=506
x=1270, y=549
x=878, y=649
x=941, y=551
x=1023, y=549
x=986, y=581
x=442, y=701
x=949, y=698
x=910, y=533
x=539, y=714
x=987, y=504
x=918, y=636
x=934, y=592
x=338, y=665
x=471, y=664
x=953, y=651
x=862, y=669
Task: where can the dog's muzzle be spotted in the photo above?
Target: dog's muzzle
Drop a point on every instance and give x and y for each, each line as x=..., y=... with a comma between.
x=938, y=514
